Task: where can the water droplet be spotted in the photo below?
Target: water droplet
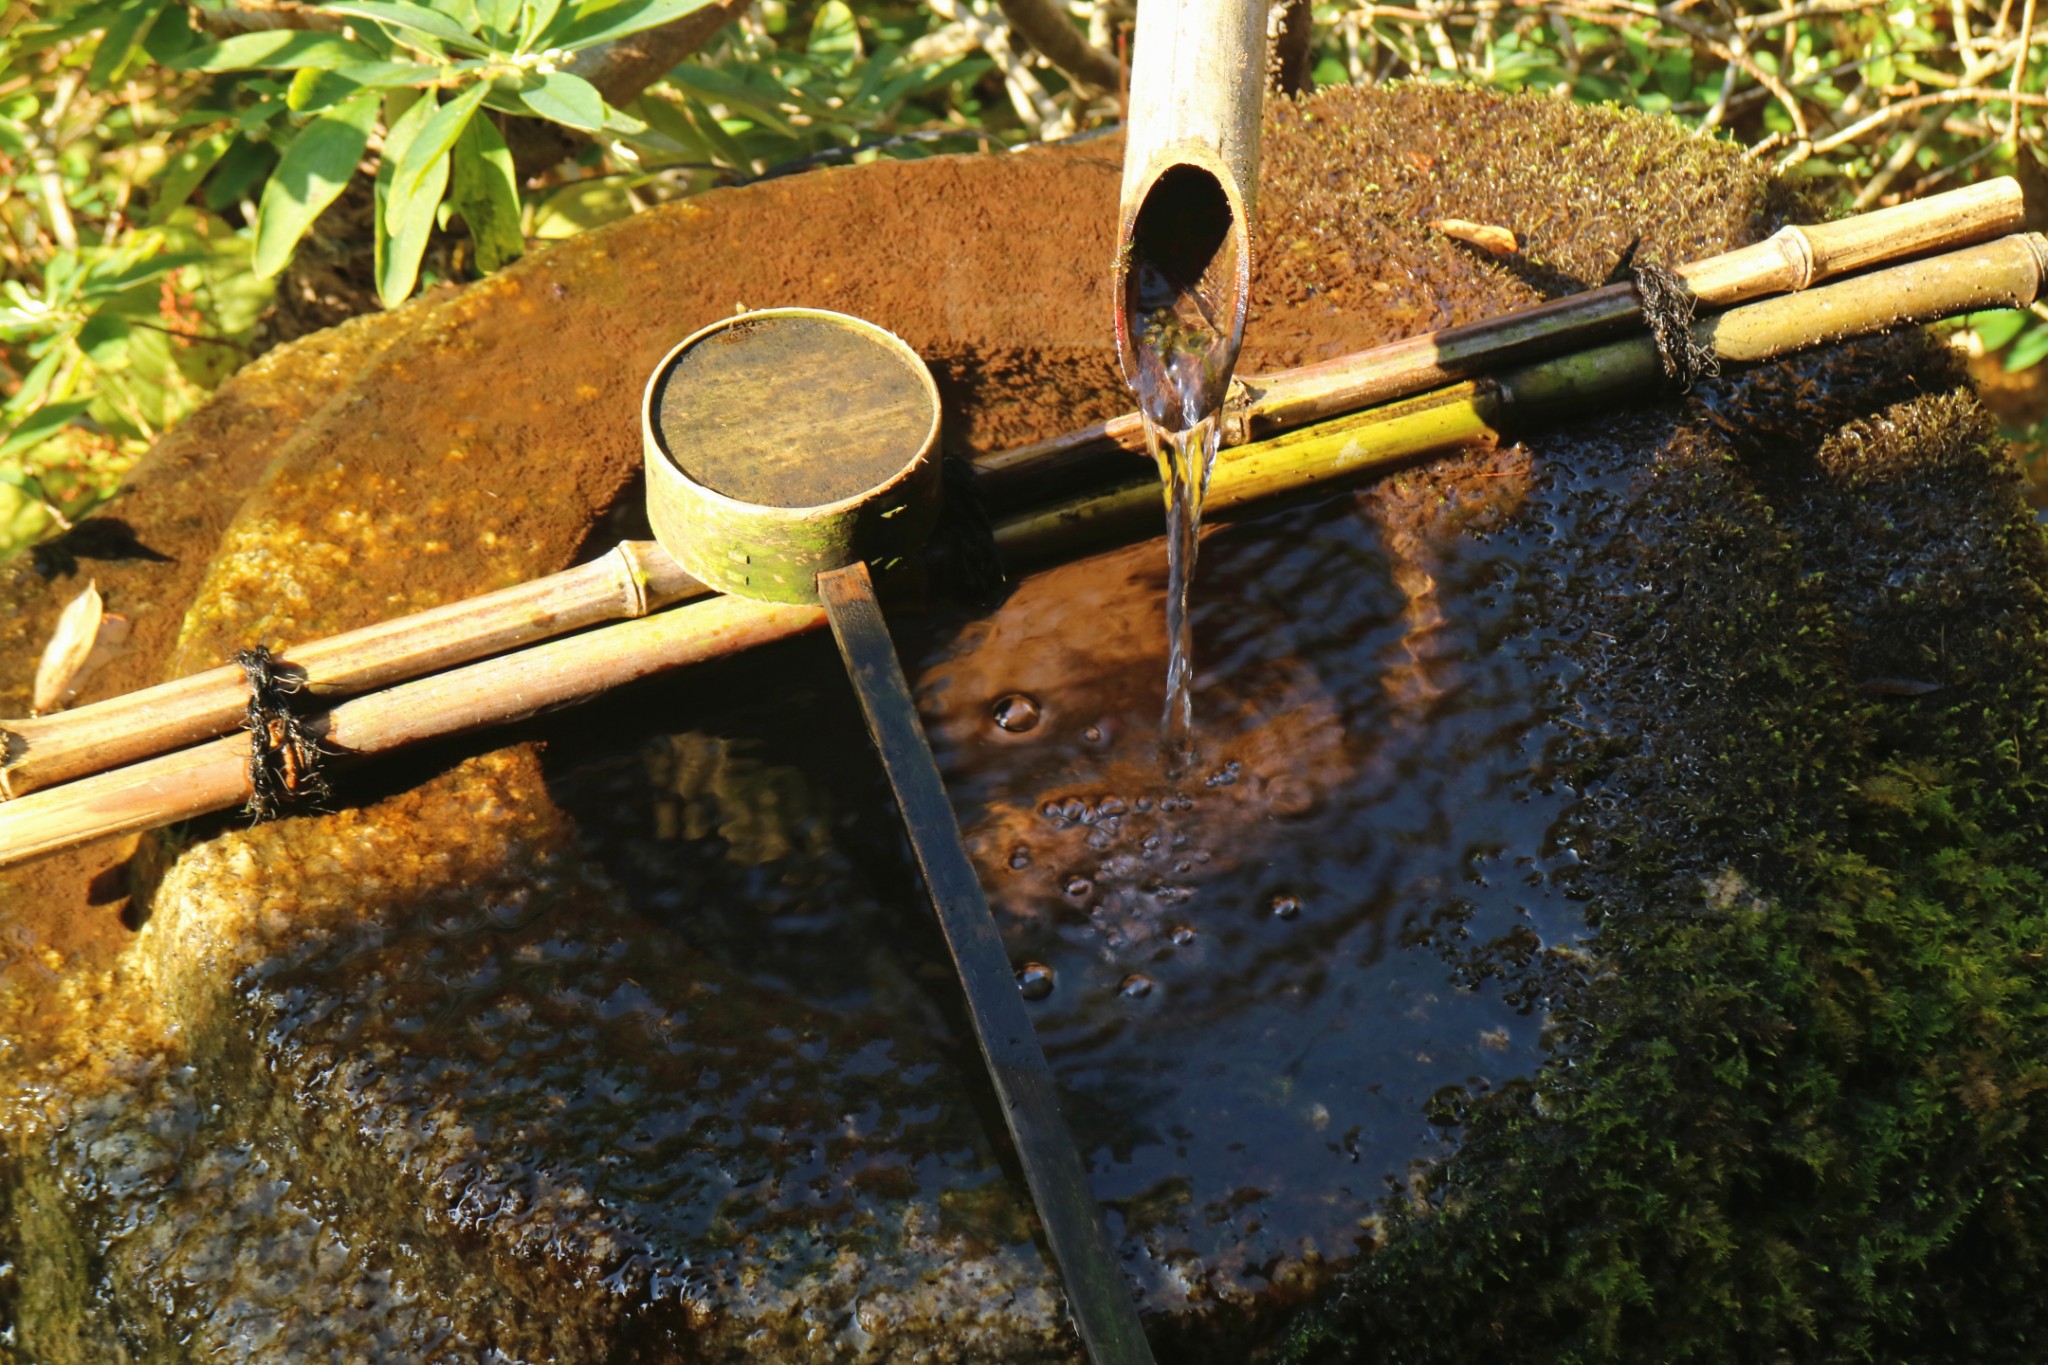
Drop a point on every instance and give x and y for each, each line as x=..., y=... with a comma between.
x=1093, y=734
x=1020, y=858
x=1078, y=887
x=1034, y=981
x=1144, y=804
x=1284, y=906
x=1111, y=805
x=1183, y=935
x=1073, y=810
x=1016, y=713
x=1136, y=986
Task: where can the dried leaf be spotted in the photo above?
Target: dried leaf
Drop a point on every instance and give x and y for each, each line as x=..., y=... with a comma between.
x=86, y=637
x=1498, y=241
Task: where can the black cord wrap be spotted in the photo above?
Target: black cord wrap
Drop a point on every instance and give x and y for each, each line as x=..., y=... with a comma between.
x=1667, y=311
x=283, y=758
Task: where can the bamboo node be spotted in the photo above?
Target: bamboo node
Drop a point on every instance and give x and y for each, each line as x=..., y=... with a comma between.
x=1667, y=307
x=283, y=758
x=633, y=584
x=1798, y=252
x=12, y=749
x=2037, y=247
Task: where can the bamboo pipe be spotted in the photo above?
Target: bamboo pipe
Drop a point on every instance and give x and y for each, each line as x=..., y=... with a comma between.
x=637, y=577
x=1191, y=173
x=2008, y=273
x=1794, y=258
x=629, y=581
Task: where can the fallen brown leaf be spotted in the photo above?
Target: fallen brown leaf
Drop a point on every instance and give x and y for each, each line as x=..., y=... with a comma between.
x=1498, y=241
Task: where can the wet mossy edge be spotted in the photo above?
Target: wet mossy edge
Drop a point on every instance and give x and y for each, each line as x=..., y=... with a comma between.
x=1796, y=1105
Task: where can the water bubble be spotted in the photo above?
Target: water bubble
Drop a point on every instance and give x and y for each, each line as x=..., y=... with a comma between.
x=1020, y=858
x=1078, y=887
x=1016, y=713
x=1073, y=810
x=1094, y=734
x=1034, y=981
x=1284, y=906
x=1183, y=935
x=1144, y=804
x=1111, y=805
x=1136, y=986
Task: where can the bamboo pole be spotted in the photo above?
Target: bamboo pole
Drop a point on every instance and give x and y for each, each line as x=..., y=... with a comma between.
x=1795, y=258
x=215, y=775
x=2007, y=273
x=632, y=579
x=637, y=576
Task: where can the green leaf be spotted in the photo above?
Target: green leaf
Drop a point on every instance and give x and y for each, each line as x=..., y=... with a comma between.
x=2029, y=350
x=566, y=99
x=171, y=36
x=485, y=191
x=277, y=49
x=402, y=237
x=310, y=176
x=118, y=44
x=539, y=16
x=835, y=36
x=37, y=382
x=416, y=18
x=736, y=95
x=593, y=23
x=106, y=278
x=429, y=147
x=182, y=174
x=725, y=149
x=499, y=16
x=33, y=430
x=244, y=164
x=1995, y=327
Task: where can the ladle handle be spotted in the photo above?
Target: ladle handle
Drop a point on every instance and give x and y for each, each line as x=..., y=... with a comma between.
x=1097, y=1294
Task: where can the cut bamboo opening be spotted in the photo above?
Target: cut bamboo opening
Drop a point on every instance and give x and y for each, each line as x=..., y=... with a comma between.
x=1191, y=174
x=2002, y=274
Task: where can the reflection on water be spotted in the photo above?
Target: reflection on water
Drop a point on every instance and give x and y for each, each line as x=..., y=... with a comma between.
x=1240, y=978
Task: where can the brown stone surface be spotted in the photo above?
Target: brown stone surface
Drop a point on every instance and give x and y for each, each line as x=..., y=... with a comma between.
x=477, y=1067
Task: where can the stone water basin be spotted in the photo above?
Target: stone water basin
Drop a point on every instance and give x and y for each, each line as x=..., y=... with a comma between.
x=625, y=1035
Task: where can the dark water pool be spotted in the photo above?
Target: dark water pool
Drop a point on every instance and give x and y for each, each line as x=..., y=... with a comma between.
x=1248, y=981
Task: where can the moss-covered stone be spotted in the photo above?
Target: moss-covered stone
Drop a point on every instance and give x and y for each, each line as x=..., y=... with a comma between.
x=637, y=1056
x=1796, y=1110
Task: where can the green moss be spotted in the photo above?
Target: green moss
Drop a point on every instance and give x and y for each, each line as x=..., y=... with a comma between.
x=1800, y=1109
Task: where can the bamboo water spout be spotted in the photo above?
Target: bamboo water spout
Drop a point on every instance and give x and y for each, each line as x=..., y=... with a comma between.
x=1191, y=170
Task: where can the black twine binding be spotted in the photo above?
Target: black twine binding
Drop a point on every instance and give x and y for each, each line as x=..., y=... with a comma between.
x=283, y=758
x=1667, y=309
